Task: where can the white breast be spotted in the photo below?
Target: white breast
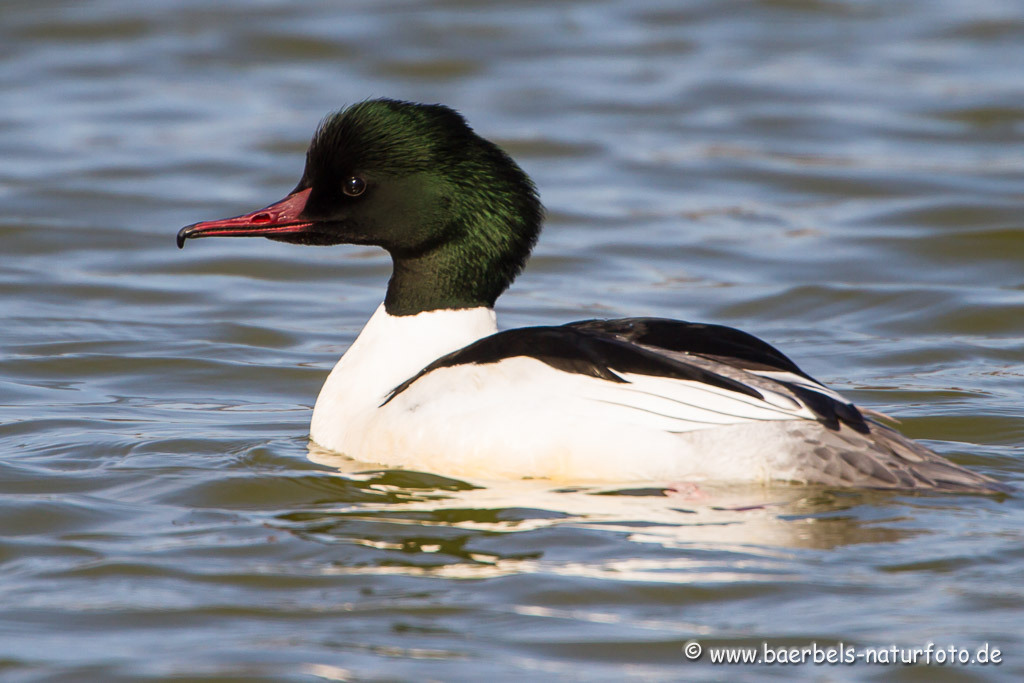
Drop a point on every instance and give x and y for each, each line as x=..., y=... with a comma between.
x=389, y=350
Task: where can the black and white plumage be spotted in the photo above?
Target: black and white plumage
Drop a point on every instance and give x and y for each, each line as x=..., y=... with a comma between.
x=611, y=400
x=431, y=384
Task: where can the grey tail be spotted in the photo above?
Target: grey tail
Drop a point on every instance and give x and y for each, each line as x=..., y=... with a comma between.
x=883, y=459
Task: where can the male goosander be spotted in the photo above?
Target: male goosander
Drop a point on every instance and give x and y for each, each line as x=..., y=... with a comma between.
x=431, y=384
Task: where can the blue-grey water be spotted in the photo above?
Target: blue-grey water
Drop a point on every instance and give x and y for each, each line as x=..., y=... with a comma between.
x=843, y=178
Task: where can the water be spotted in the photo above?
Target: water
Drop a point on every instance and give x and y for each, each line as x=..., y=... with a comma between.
x=844, y=179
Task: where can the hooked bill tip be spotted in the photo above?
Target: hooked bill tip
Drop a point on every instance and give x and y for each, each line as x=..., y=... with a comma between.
x=182, y=236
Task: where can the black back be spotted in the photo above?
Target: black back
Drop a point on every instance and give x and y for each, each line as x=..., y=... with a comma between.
x=718, y=342
x=602, y=348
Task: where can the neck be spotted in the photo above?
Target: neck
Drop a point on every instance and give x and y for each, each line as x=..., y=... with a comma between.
x=469, y=270
x=477, y=255
x=439, y=280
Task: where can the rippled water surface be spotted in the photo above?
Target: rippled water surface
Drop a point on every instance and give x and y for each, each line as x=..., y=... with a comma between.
x=843, y=178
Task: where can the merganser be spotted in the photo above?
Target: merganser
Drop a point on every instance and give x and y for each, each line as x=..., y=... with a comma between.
x=430, y=383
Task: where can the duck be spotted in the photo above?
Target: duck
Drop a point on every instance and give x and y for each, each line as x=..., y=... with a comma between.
x=430, y=383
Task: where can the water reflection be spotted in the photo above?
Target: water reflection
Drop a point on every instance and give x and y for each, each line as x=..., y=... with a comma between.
x=427, y=525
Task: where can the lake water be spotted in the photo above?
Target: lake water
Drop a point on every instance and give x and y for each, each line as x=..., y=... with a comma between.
x=842, y=178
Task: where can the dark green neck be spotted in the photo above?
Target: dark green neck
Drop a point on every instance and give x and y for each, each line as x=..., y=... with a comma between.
x=463, y=273
x=428, y=283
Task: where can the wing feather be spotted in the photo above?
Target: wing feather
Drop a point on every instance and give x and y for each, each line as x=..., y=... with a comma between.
x=712, y=368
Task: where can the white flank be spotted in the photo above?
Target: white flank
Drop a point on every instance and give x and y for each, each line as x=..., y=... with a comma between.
x=522, y=418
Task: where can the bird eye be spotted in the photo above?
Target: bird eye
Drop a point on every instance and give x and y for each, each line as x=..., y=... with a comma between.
x=354, y=186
